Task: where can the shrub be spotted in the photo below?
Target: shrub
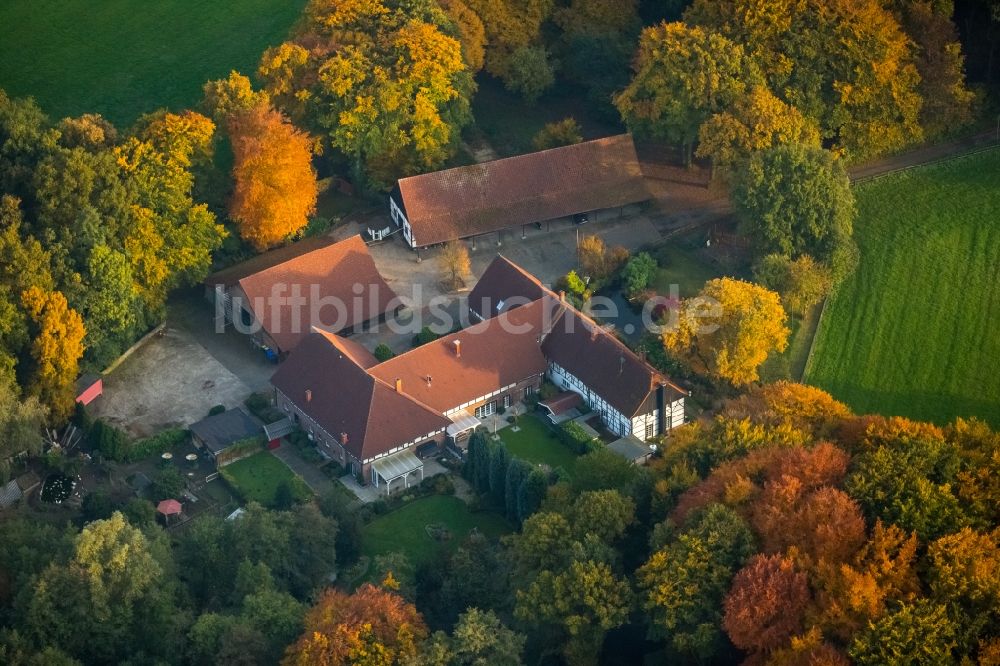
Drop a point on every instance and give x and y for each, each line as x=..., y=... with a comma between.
x=218, y=409
x=112, y=442
x=638, y=273
x=155, y=444
x=383, y=353
x=565, y=132
x=424, y=336
x=802, y=283
x=260, y=406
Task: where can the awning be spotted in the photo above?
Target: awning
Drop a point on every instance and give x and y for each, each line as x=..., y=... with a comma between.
x=169, y=507
x=397, y=465
x=464, y=422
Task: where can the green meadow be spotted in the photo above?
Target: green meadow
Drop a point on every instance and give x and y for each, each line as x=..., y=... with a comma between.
x=123, y=58
x=916, y=330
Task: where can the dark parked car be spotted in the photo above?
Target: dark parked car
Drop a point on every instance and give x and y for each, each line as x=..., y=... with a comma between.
x=580, y=218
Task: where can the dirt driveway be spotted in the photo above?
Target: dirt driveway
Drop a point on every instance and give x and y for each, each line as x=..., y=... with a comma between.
x=170, y=381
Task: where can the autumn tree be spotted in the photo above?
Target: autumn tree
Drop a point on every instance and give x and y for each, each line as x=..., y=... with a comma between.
x=275, y=185
x=384, y=81
x=756, y=121
x=509, y=25
x=728, y=330
x=479, y=638
x=965, y=577
x=455, y=262
x=800, y=405
x=471, y=33
x=21, y=422
x=764, y=607
x=57, y=333
x=565, y=132
x=597, y=261
x=796, y=200
x=847, y=66
x=225, y=98
x=683, y=75
x=369, y=624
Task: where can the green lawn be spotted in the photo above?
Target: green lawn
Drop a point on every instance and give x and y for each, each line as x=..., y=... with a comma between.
x=914, y=331
x=534, y=443
x=123, y=58
x=791, y=363
x=404, y=530
x=258, y=477
x=681, y=265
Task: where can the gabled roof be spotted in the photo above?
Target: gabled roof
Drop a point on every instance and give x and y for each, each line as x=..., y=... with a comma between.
x=480, y=198
x=492, y=354
x=345, y=400
x=504, y=285
x=356, y=352
x=331, y=270
x=604, y=363
x=219, y=431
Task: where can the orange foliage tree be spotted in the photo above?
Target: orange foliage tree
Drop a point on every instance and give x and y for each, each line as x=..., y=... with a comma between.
x=371, y=626
x=765, y=604
x=275, y=185
x=57, y=344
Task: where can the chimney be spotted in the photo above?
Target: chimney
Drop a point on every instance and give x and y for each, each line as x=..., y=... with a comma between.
x=309, y=395
x=399, y=385
x=343, y=438
x=458, y=348
x=562, y=295
x=428, y=378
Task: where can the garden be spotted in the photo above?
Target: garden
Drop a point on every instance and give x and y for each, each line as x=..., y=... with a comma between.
x=265, y=479
x=424, y=527
x=534, y=442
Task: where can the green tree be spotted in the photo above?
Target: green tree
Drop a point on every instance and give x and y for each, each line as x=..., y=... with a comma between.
x=685, y=582
x=796, y=200
x=582, y=602
x=480, y=638
x=499, y=461
x=802, y=282
x=531, y=494
x=530, y=72
x=917, y=633
x=383, y=352
x=683, y=75
x=21, y=424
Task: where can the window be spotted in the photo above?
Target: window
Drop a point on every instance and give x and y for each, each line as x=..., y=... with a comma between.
x=506, y=401
x=650, y=428
x=530, y=390
x=487, y=409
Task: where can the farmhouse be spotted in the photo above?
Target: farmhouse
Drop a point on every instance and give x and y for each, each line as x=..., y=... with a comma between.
x=470, y=201
x=371, y=417
x=277, y=297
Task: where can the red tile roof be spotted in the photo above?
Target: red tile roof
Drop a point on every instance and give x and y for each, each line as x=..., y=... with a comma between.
x=491, y=355
x=604, y=363
x=477, y=199
x=503, y=285
x=344, y=399
x=333, y=271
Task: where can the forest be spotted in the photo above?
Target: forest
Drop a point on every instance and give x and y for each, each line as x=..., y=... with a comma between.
x=778, y=527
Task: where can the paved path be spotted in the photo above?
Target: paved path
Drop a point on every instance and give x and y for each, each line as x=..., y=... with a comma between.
x=318, y=482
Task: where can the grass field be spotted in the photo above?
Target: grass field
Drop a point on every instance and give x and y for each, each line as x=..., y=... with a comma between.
x=534, y=443
x=914, y=332
x=404, y=530
x=123, y=58
x=258, y=477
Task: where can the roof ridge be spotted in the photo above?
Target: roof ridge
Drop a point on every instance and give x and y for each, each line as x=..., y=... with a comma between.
x=404, y=394
x=567, y=148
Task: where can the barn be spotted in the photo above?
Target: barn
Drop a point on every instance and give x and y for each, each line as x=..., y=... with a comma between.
x=488, y=198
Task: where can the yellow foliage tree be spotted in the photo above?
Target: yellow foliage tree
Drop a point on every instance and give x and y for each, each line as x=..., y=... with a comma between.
x=455, y=262
x=728, y=330
x=510, y=25
x=275, y=185
x=57, y=346
x=471, y=32
x=757, y=121
x=234, y=94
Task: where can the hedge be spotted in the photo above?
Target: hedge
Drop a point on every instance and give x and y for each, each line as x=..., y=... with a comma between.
x=114, y=443
x=240, y=449
x=155, y=444
x=576, y=438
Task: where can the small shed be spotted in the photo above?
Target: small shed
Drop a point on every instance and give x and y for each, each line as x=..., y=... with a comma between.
x=88, y=388
x=220, y=434
x=167, y=508
x=632, y=449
